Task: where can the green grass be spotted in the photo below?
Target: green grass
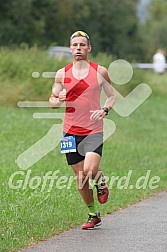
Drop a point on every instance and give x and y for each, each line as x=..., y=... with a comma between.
x=138, y=144
x=16, y=68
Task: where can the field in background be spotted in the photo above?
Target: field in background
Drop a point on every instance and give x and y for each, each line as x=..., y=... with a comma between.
x=138, y=145
x=16, y=68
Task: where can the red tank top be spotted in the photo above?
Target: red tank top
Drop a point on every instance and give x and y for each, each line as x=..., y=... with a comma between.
x=82, y=97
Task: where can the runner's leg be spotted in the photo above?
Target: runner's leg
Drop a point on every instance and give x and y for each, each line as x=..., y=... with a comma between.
x=91, y=165
x=83, y=184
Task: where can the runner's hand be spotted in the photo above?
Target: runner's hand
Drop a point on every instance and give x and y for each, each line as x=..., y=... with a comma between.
x=97, y=114
x=62, y=95
x=54, y=102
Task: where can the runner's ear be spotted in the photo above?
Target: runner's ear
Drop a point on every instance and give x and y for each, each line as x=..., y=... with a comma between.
x=90, y=48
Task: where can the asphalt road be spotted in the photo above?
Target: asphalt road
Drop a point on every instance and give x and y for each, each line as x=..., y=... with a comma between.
x=141, y=227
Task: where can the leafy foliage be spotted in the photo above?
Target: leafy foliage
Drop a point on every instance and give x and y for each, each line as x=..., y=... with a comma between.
x=111, y=24
x=154, y=31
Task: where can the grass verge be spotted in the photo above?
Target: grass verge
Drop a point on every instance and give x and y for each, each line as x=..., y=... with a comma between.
x=29, y=214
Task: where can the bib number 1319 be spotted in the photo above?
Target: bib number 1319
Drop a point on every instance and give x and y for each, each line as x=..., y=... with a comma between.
x=68, y=144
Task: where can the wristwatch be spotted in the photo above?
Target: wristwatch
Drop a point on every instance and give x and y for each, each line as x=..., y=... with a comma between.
x=106, y=110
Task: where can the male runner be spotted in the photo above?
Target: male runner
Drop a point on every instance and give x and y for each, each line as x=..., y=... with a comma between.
x=79, y=84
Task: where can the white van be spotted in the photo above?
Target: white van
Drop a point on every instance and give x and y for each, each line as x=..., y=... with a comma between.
x=59, y=52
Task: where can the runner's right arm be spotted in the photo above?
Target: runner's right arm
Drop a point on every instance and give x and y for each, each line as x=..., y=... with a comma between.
x=57, y=90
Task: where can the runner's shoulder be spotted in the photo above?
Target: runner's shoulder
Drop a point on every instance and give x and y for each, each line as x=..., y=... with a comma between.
x=60, y=72
x=102, y=71
x=59, y=75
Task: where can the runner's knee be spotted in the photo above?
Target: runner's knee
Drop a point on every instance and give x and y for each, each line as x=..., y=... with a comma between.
x=91, y=171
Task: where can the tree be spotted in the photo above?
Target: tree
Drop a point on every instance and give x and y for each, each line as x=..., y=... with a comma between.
x=112, y=25
x=154, y=31
x=20, y=22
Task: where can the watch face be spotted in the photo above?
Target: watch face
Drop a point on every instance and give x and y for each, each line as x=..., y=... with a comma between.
x=106, y=110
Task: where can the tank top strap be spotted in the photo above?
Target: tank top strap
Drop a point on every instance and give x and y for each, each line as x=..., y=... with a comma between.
x=68, y=67
x=94, y=65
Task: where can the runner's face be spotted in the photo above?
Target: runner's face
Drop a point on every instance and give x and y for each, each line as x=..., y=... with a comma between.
x=80, y=48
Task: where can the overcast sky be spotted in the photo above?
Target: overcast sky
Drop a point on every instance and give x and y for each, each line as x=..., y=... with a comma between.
x=142, y=10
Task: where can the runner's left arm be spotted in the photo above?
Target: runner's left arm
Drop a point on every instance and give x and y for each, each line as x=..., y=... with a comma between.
x=108, y=89
x=105, y=83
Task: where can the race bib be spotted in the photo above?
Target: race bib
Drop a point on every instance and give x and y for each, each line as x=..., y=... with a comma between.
x=68, y=144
